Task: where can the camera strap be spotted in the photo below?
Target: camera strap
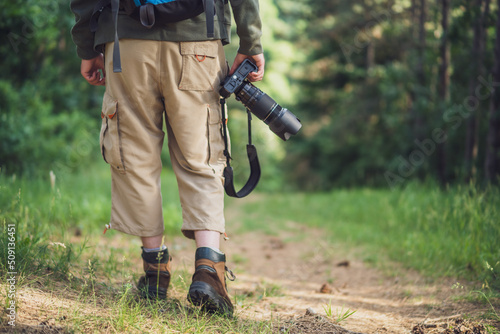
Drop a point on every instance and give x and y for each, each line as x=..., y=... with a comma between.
x=253, y=159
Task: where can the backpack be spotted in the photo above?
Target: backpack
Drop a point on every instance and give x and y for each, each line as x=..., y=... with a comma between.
x=148, y=12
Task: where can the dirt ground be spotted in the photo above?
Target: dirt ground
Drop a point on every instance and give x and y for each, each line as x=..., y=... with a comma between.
x=307, y=283
x=304, y=277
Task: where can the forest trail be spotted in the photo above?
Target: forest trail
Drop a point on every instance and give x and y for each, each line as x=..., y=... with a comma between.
x=286, y=275
x=296, y=279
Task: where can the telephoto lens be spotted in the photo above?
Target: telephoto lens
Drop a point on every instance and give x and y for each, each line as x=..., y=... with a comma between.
x=281, y=121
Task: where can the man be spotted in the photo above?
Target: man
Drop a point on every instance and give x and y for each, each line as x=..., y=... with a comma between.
x=172, y=70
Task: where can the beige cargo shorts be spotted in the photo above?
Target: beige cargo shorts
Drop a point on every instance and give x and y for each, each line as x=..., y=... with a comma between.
x=175, y=82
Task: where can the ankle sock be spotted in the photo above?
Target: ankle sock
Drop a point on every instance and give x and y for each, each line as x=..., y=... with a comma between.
x=152, y=250
x=216, y=250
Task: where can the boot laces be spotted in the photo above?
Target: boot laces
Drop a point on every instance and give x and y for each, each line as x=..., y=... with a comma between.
x=231, y=276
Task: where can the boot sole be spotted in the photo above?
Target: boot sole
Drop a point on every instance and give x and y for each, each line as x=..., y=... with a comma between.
x=204, y=295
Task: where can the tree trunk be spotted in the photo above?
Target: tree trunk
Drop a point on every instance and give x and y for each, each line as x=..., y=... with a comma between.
x=411, y=91
x=443, y=91
x=471, y=138
x=492, y=165
x=370, y=55
x=419, y=123
x=421, y=43
x=444, y=51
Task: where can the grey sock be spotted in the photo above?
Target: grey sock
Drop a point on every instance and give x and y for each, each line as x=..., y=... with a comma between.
x=216, y=250
x=152, y=250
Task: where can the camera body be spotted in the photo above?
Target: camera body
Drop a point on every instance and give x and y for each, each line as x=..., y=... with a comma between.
x=280, y=120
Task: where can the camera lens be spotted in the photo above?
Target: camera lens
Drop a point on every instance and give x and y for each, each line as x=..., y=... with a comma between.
x=285, y=124
x=259, y=103
x=281, y=121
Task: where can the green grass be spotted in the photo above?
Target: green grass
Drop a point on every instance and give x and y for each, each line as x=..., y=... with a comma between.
x=99, y=283
x=339, y=314
x=440, y=233
x=46, y=217
x=76, y=205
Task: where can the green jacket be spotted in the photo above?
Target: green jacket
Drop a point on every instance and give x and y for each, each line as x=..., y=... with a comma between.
x=245, y=12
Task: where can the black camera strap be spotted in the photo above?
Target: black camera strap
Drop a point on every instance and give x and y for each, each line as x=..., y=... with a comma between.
x=253, y=159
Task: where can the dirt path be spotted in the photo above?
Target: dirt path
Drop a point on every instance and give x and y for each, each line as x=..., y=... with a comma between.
x=286, y=275
x=282, y=277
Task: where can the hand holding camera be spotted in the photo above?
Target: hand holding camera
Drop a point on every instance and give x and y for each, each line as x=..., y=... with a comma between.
x=281, y=121
x=257, y=59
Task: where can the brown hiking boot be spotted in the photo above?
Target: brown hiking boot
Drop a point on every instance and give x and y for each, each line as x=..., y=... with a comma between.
x=157, y=268
x=209, y=289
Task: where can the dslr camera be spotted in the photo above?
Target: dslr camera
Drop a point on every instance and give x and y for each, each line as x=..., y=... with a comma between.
x=281, y=121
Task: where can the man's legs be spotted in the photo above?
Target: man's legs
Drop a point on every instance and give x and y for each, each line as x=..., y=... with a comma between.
x=205, y=238
x=182, y=79
x=196, y=146
x=131, y=140
x=152, y=242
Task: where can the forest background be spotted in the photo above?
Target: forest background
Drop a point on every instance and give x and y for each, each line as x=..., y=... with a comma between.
x=388, y=91
x=398, y=100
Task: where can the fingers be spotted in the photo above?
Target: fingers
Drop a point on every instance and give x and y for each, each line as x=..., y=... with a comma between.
x=237, y=61
x=94, y=78
x=256, y=76
x=256, y=59
x=99, y=82
x=93, y=71
x=260, y=62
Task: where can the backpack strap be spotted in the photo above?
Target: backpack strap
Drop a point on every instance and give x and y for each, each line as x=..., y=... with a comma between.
x=209, y=7
x=117, y=63
x=220, y=12
x=147, y=18
x=253, y=159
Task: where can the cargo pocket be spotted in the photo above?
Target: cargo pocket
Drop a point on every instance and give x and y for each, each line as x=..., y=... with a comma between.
x=110, y=140
x=216, y=157
x=199, y=65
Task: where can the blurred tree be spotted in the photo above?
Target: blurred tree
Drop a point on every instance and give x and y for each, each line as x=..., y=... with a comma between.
x=385, y=91
x=480, y=10
x=492, y=165
x=385, y=88
x=443, y=86
x=44, y=103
